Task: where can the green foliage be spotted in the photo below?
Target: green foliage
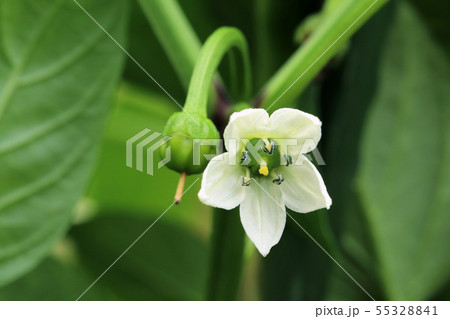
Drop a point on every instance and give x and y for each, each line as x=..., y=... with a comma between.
x=169, y=263
x=56, y=85
x=404, y=177
x=53, y=280
x=296, y=269
x=116, y=187
x=434, y=13
x=183, y=46
x=335, y=28
x=385, y=112
x=348, y=99
x=387, y=116
x=226, y=255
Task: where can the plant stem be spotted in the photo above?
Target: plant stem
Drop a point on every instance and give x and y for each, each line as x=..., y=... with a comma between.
x=227, y=250
x=264, y=59
x=292, y=78
x=216, y=46
x=331, y=5
x=175, y=34
x=180, y=188
x=227, y=239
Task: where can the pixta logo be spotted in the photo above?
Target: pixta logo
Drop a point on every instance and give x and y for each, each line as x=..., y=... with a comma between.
x=144, y=145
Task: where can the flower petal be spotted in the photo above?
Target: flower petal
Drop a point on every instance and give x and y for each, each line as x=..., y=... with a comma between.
x=246, y=124
x=303, y=188
x=221, y=183
x=294, y=124
x=263, y=215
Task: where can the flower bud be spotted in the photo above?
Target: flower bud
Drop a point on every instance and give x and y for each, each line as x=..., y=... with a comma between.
x=191, y=138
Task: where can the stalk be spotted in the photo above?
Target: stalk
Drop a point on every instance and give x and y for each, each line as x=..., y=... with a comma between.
x=336, y=28
x=175, y=33
x=226, y=259
x=216, y=46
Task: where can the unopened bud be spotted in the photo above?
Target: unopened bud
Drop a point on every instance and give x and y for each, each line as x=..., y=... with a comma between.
x=184, y=129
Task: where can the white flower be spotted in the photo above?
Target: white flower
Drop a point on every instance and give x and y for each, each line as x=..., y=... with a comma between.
x=256, y=173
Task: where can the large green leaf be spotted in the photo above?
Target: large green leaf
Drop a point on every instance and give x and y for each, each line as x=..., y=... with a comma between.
x=58, y=70
x=404, y=176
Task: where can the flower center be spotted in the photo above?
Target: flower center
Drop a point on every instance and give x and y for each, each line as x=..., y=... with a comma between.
x=259, y=157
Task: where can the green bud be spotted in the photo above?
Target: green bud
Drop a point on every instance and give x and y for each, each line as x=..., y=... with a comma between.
x=192, y=137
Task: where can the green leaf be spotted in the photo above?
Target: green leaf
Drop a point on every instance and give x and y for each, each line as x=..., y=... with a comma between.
x=296, y=268
x=348, y=98
x=58, y=70
x=52, y=280
x=404, y=177
x=434, y=13
x=167, y=263
x=118, y=188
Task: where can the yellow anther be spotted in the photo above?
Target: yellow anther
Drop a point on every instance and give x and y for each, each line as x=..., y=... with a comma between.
x=263, y=170
x=246, y=180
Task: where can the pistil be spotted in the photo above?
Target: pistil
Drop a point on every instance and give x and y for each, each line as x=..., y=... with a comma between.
x=263, y=170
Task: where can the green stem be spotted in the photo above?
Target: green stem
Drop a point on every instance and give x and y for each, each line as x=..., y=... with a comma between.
x=216, y=46
x=227, y=250
x=338, y=26
x=175, y=34
x=264, y=59
x=331, y=5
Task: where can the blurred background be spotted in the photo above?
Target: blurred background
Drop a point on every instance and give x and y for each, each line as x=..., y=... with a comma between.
x=69, y=206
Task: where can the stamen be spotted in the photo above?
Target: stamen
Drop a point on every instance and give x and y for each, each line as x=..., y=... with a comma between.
x=278, y=180
x=268, y=147
x=288, y=159
x=273, y=147
x=245, y=159
x=246, y=181
x=263, y=170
